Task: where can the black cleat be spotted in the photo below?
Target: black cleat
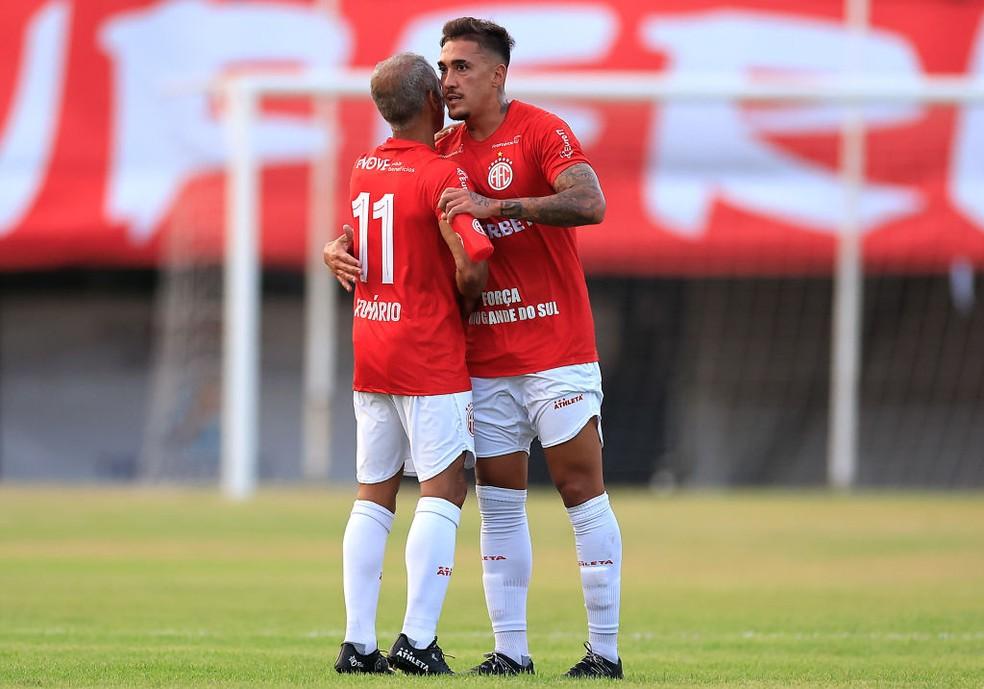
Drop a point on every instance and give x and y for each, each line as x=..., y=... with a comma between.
x=350, y=660
x=414, y=661
x=501, y=664
x=593, y=665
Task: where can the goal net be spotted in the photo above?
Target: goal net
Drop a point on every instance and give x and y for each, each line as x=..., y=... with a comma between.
x=757, y=302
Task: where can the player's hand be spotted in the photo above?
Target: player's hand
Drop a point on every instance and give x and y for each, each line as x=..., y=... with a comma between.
x=338, y=257
x=456, y=200
x=444, y=132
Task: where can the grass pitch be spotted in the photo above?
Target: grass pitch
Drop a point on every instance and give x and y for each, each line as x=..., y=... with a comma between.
x=124, y=588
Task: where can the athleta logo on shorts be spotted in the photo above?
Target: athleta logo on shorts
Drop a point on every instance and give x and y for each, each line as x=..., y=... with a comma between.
x=560, y=404
x=443, y=571
x=593, y=563
x=470, y=416
x=500, y=172
x=493, y=558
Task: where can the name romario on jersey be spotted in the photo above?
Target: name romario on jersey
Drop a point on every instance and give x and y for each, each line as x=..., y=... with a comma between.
x=535, y=314
x=407, y=329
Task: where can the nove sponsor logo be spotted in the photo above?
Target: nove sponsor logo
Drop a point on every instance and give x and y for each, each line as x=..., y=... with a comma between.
x=560, y=404
x=382, y=164
x=594, y=563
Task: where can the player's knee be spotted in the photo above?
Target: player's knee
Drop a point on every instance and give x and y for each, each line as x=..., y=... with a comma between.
x=576, y=488
x=451, y=484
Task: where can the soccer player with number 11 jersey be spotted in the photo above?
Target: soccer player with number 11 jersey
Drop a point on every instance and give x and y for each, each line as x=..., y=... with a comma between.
x=412, y=393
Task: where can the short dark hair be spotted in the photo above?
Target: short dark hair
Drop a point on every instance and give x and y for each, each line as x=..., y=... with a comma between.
x=489, y=35
x=399, y=87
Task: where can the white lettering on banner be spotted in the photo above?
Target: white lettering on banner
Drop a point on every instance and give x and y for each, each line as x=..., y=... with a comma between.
x=966, y=183
x=583, y=34
x=162, y=139
x=28, y=139
x=700, y=152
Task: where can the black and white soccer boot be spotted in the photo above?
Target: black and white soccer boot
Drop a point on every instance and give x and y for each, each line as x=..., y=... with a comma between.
x=594, y=665
x=350, y=660
x=501, y=664
x=418, y=661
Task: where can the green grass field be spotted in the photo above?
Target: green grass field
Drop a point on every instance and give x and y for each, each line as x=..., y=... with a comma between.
x=136, y=588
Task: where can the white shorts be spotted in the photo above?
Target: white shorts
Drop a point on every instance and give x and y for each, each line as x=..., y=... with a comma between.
x=552, y=405
x=421, y=434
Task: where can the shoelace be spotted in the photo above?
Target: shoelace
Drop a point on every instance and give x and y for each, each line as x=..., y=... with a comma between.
x=494, y=661
x=441, y=655
x=591, y=661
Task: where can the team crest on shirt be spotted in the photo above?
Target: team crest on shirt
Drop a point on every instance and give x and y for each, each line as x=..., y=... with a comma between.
x=470, y=415
x=500, y=172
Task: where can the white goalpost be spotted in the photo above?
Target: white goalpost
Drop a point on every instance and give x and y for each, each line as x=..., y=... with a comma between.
x=241, y=312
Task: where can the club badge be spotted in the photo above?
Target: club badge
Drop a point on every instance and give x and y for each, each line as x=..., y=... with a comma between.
x=500, y=172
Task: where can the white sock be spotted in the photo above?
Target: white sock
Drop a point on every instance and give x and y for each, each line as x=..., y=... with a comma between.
x=363, y=547
x=507, y=561
x=599, y=554
x=430, y=560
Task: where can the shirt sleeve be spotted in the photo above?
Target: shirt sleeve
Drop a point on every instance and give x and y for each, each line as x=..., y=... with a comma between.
x=556, y=146
x=468, y=228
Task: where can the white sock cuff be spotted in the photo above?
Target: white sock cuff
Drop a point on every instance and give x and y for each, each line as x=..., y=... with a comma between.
x=440, y=506
x=377, y=513
x=587, y=511
x=495, y=494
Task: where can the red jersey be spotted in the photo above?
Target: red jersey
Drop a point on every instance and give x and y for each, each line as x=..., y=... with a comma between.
x=535, y=314
x=407, y=330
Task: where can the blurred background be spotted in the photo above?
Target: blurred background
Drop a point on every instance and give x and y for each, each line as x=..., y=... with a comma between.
x=735, y=233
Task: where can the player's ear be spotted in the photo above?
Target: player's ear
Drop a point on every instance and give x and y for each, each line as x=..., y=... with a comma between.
x=499, y=76
x=435, y=99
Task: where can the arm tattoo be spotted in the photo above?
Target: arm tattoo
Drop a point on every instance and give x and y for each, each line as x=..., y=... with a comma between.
x=578, y=201
x=480, y=200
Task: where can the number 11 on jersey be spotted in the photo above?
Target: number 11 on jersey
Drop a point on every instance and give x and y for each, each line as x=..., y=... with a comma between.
x=381, y=210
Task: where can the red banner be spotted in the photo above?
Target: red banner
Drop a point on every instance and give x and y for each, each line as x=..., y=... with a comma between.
x=107, y=146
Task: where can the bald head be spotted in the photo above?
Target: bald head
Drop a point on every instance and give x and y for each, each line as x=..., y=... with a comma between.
x=400, y=85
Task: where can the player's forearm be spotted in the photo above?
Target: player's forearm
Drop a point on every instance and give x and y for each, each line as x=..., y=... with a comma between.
x=471, y=279
x=564, y=209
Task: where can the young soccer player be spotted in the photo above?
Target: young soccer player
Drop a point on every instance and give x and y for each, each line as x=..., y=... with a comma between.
x=532, y=354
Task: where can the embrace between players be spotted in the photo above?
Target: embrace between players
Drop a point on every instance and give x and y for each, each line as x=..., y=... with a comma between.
x=462, y=352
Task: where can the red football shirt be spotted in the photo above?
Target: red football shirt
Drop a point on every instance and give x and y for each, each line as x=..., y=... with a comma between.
x=535, y=314
x=407, y=330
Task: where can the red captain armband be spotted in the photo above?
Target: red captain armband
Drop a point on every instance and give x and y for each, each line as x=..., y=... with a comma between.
x=473, y=237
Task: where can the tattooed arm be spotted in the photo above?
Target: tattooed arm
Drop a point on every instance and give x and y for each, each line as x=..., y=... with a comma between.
x=578, y=201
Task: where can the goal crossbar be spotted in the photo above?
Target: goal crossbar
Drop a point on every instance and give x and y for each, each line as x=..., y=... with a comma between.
x=244, y=92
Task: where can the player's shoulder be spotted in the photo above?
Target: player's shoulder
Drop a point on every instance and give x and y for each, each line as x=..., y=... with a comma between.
x=439, y=167
x=451, y=144
x=531, y=115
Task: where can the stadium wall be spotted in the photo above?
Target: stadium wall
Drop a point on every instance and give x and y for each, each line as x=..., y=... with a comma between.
x=708, y=382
